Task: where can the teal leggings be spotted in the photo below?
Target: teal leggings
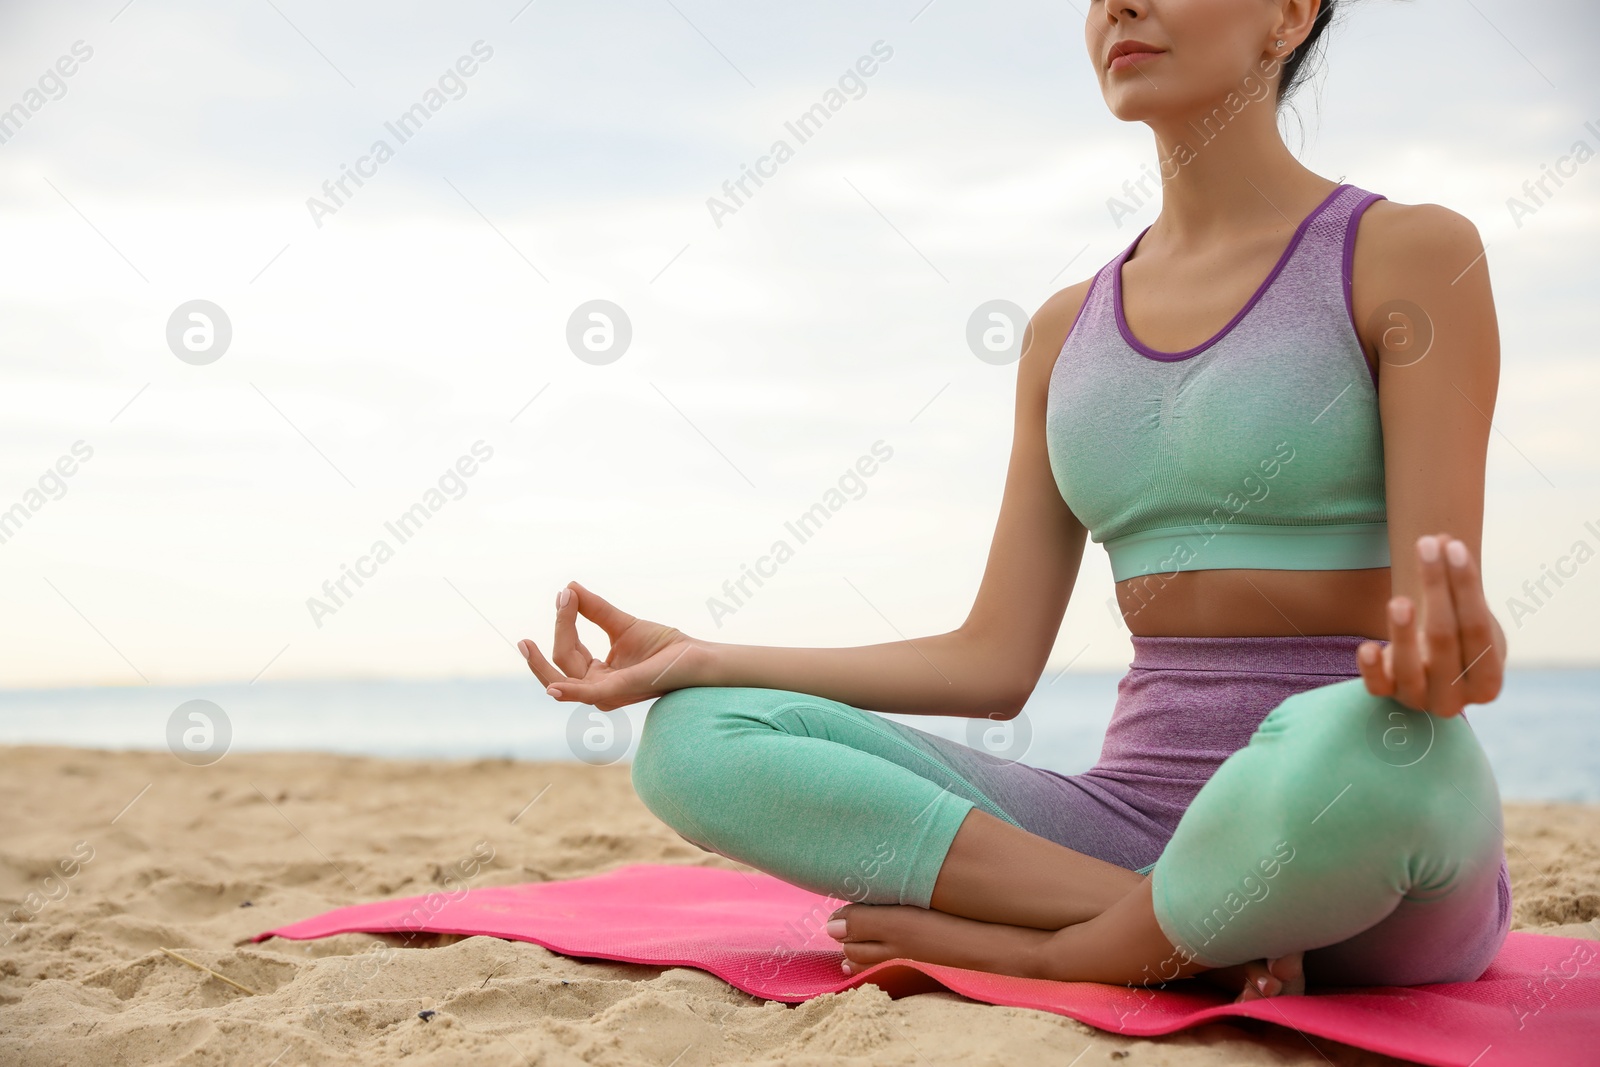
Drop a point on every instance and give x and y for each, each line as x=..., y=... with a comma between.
x=1320, y=833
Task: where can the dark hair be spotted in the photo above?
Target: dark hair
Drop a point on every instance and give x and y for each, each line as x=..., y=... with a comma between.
x=1294, y=68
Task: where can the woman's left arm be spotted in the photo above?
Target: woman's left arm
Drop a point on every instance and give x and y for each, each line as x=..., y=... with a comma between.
x=1421, y=291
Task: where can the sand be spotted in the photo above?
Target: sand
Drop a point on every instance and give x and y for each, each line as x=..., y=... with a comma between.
x=107, y=858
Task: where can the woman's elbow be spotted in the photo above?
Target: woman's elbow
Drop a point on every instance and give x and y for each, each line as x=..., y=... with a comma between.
x=1000, y=705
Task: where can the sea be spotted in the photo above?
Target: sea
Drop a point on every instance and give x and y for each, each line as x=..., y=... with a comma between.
x=1542, y=734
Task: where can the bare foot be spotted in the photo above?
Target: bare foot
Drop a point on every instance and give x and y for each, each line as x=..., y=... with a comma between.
x=1258, y=979
x=874, y=933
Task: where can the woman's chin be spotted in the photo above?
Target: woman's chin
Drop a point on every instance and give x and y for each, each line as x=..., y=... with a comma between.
x=1137, y=105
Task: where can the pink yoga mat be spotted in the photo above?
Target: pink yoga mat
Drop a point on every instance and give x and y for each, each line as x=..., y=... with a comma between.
x=1539, y=1003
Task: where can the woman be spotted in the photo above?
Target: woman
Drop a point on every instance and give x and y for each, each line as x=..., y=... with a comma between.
x=1287, y=791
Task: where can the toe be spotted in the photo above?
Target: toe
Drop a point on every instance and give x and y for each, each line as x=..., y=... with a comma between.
x=1259, y=982
x=849, y=923
x=860, y=955
x=867, y=922
x=867, y=933
x=1290, y=973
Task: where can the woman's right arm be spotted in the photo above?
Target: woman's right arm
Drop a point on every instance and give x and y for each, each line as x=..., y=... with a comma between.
x=988, y=666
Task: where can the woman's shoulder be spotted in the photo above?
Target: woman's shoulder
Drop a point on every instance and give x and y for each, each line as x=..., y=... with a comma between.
x=1397, y=240
x=1051, y=324
x=1411, y=254
x=1061, y=309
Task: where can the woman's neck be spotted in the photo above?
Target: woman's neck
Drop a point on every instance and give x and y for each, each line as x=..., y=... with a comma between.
x=1224, y=174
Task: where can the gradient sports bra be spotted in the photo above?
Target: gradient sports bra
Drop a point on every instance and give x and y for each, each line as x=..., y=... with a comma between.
x=1261, y=448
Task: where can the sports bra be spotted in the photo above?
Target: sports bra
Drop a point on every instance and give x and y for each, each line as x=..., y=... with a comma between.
x=1260, y=448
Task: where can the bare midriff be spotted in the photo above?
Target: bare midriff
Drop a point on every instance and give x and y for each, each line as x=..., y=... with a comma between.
x=1248, y=603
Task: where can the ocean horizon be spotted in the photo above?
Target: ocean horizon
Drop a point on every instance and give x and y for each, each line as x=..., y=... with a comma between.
x=1542, y=734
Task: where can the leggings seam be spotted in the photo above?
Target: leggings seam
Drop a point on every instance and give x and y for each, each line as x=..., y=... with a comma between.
x=894, y=738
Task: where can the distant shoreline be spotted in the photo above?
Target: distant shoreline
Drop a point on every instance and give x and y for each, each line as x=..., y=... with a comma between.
x=524, y=679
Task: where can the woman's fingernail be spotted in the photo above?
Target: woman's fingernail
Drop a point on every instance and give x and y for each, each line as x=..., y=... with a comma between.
x=562, y=598
x=553, y=691
x=522, y=646
x=1428, y=548
x=1261, y=983
x=836, y=928
x=1457, y=553
x=844, y=965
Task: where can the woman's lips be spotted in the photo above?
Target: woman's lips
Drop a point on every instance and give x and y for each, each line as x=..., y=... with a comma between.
x=1130, y=58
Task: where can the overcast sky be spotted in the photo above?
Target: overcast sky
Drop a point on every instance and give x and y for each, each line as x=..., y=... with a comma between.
x=377, y=338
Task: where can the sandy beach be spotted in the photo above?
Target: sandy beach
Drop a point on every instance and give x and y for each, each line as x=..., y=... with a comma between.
x=107, y=858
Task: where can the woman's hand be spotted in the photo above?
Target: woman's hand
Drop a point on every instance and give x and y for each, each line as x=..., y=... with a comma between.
x=646, y=658
x=1459, y=657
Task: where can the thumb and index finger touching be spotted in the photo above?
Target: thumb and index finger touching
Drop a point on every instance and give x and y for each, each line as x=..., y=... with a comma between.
x=590, y=605
x=600, y=611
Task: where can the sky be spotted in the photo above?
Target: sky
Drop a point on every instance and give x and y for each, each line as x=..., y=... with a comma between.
x=418, y=338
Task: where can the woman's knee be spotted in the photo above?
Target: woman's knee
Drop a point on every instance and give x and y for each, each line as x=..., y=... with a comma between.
x=1379, y=778
x=672, y=747
x=1342, y=735
x=693, y=756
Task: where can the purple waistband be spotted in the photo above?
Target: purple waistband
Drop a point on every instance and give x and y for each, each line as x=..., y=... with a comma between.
x=1330, y=654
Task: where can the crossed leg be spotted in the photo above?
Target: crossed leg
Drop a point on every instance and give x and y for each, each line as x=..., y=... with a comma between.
x=999, y=906
x=855, y=806
x=1322, y=836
